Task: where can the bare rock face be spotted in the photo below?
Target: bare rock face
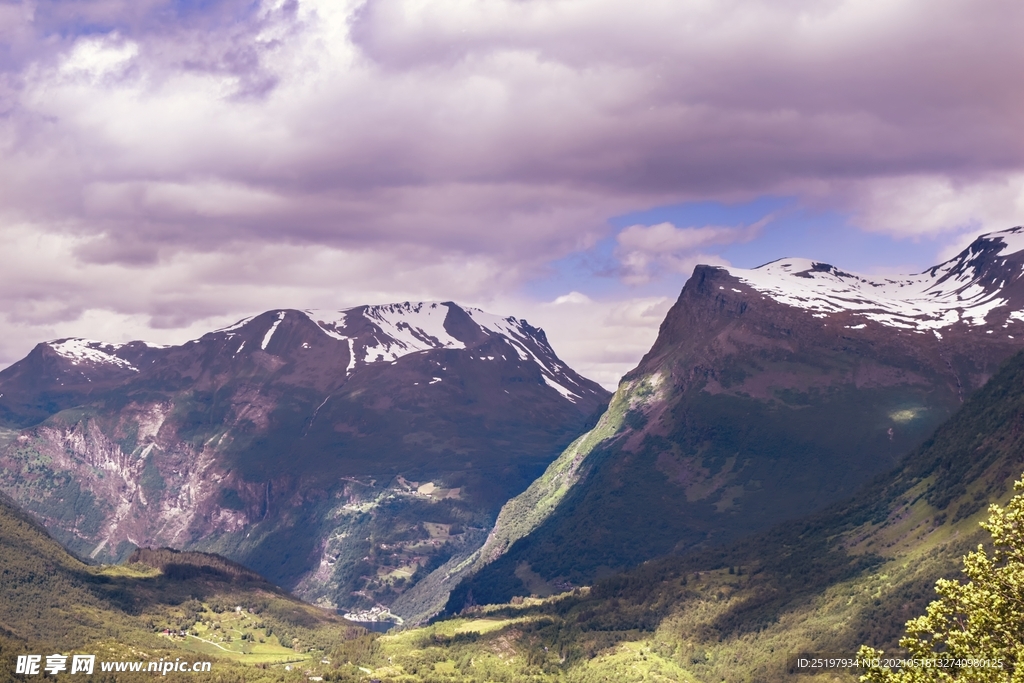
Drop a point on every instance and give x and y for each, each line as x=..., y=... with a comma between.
x=769, y=394
x=342, y=454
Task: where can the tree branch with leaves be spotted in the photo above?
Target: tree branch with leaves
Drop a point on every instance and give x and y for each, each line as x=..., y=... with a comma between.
x=980, y=621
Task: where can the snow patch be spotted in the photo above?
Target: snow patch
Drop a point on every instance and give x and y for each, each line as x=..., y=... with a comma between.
x=514, y=330
x=231, y=328
x=351, y=358
x=404, y=328
x=1013, y=239
x=91, y=352
x=409, y=328
x=560, y=389
x=329, y=327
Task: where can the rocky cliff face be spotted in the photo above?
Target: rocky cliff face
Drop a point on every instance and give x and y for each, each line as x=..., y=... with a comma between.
x=769, y=393
x=342, y=454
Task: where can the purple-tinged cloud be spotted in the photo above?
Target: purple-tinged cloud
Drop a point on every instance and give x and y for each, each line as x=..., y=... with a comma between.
x=343, y=122
x=154, y=137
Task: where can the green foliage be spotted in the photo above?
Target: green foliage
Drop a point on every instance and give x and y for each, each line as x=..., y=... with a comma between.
x=981, y=620
x=230, y=500
x=150, y=479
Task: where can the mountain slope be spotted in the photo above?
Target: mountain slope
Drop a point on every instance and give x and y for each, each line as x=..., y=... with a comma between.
x=337, y=453
x=849, y=575
x=769, y=393
x=52, y=602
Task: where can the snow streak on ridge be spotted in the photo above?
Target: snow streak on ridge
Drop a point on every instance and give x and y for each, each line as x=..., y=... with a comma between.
x=513, y=330
x=272, y=330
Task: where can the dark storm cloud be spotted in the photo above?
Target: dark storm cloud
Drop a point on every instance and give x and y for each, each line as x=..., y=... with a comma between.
x=490, y=126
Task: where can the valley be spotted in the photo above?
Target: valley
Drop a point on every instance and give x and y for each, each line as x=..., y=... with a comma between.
x=850, y=575
x=511, y=341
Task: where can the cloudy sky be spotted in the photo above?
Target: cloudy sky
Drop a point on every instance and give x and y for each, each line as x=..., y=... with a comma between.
x=167, y=167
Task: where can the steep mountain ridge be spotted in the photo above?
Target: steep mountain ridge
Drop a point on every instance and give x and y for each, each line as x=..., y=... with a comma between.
x=822, y=585
x=370, y=334
x=338, y=453
x=769, y=393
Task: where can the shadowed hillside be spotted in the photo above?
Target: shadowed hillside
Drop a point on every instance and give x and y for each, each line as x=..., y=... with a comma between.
x=851, y=575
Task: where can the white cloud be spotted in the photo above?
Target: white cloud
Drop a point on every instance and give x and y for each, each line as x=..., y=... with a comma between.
x=600, y=339
x=96, y=57
x=931, y=204
x=665, y=237
x=405, y=120
x=572, y=298
x=646, y=251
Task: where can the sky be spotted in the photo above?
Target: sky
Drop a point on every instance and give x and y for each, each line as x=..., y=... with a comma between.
x=168, y=167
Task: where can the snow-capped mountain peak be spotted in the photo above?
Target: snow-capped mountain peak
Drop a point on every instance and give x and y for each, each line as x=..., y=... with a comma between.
x=385, y=333
x=981, y=285
x=396, y=329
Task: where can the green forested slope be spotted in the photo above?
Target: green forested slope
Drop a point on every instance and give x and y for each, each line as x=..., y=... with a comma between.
x=850, y=575
x=52, y=602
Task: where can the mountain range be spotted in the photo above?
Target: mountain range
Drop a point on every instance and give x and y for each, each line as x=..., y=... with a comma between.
x=822, y=585
x=737, y=605
x=341, y=454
